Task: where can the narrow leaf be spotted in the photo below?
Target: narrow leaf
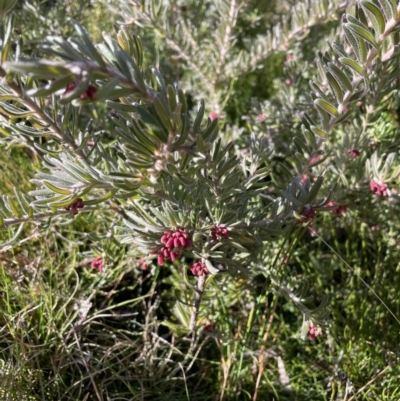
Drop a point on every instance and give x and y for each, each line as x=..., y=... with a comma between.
x=318, y=132
x=336, y=89
x=363, y=33
x=390, y=8
x=341, y=77
x=90, y=47
x=332, y=110
x=353, y=65
x=56, y=189
x=375, y=15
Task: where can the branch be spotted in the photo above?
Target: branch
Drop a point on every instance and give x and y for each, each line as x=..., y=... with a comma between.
x=225, y=42
x=196, y=304
x=41, y=114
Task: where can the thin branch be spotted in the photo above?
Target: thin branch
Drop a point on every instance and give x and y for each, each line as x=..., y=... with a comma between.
x=40, y=216
x=41, y=114
x=196, y=303
x=225, y=42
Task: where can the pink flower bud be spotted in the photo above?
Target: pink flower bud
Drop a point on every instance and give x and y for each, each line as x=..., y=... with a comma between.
x=315, y=159
x=177, y=243
x=353, y=153
x=92, y=93
x=313, y=332
x=97, y=264
x=214, y=115
x=308, y=212
x=170, y=243
x=378, y=189
x=160, y=259
x=173, y=256
x=70, y=87
x=210, y=327
x=199, y=269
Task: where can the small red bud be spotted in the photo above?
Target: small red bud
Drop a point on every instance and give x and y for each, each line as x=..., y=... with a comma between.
x=97, y=264
x=160, y=259
x=173, y=256
x=92, y=93
x=214, y=115
x=170, y=243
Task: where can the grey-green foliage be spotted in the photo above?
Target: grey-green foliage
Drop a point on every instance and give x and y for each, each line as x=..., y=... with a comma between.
x=160, y=166
x=369, y=38
x=205, y=37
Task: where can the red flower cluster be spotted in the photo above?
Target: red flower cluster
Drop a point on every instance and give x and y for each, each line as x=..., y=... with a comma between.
x=313, y=332
x=97, y=264
x=308, y=212
x=353, y=153
x=199, y=268
x=141, y=262
x=378, y=189
x=218, y=232
x=340, y=209
x=90, y=92
x=210, y=327
x=174, y=241
x=73, y=207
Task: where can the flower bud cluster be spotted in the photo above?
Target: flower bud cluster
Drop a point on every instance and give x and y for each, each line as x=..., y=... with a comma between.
x=340, y=209
x=210, y=327
x=174, y=242
x=218, y=232
x=97, y=264
x=142, y=263
x=199, y=268
x=89, y=93
x=308, y=212
x=73, y=207
x=353, y=153
x=378, y=189
x=313, y=332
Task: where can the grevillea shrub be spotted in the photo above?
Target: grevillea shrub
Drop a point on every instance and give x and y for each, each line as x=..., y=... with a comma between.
x=202, y=174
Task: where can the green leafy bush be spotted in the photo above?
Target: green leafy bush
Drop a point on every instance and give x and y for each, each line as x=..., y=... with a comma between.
x=194, y=174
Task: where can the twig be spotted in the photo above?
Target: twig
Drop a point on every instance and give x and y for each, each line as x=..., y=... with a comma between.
x=41, y=114
x=196, y=304
x=225, y=42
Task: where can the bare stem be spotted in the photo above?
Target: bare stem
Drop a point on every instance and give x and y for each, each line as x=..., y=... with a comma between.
x=196, y=303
